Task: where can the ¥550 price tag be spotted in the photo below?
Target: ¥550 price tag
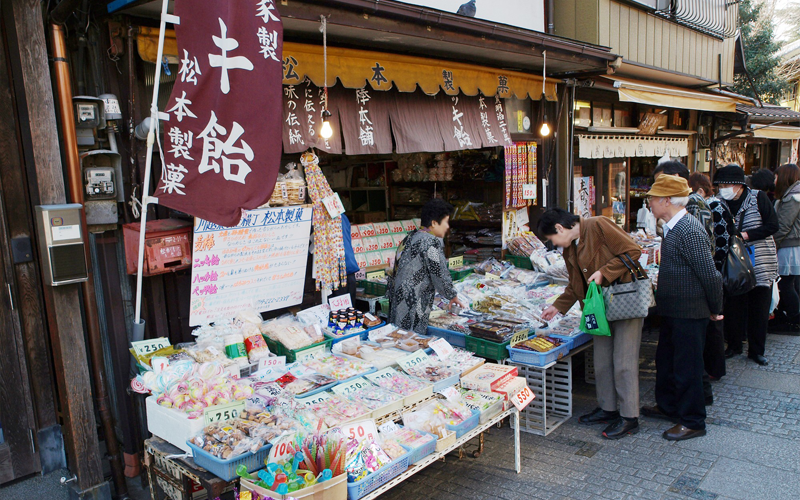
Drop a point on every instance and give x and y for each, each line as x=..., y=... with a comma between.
x=222, y=413
x=522, y=398
x=350, y=387
x=145, y=347
x=418, y=358
x=386, y=373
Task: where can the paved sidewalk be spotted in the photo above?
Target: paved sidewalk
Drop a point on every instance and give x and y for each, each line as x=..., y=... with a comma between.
x=751, y=451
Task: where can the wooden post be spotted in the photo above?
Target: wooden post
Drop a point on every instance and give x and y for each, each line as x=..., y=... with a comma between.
x=36, y=108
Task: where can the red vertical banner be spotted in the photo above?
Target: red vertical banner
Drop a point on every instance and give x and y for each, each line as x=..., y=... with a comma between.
x=222, y=136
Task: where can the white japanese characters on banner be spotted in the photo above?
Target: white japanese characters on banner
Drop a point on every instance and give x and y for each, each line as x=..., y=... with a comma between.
x=259, y=264
x=631, y=146
x=222, y=137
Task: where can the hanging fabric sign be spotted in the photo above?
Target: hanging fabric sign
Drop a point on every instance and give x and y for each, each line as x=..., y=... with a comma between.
x=592, y=146
x=302, y=120
x=222, y=153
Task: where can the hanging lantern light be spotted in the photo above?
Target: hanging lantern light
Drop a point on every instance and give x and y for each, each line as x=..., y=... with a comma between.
x=544, y=130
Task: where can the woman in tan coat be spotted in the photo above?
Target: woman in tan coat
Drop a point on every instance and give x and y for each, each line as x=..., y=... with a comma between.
x=592, y=247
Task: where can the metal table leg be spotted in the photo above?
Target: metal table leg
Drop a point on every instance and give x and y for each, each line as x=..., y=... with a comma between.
x=515, y=424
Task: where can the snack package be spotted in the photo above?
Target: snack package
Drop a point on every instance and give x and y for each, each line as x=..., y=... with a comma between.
x=295, y=185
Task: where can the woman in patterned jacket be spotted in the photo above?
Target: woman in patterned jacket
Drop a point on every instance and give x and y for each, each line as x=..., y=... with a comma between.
x=421, y=270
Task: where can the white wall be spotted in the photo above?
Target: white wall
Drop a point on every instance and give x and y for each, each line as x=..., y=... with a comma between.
x=528, y=14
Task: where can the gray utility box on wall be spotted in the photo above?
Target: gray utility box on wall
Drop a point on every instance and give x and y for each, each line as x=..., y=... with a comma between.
x=61, y=243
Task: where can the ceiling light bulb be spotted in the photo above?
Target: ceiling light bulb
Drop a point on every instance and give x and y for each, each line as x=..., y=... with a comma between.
x=545, y=130
x=326, y=131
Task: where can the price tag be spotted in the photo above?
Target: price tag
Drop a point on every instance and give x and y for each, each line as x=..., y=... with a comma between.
x=386, y=373
x=333, y=204
x=519, y=336
x=442, y=348
x=451, y=394
x=350, y=387
x=313, y=315
x=363, y=429
x=282, y=450
x=529, y=191
x=271, y=368
x=361, y=274
x=312, y=353
x=388, y=428
x=454, y=262
x=522, y=398
x=315, y=399
x=339, y=303
x=145, y=347
x=222, y=413
x=376, y=275
x=492, y=276
x=418, y=358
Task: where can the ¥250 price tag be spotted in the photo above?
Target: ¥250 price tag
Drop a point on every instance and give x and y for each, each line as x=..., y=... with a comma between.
x=145, y=347
x=442, y=348
x=222, y=413
x=386, y=373
x=350, y=387
x=363, y=429
x=519, y=336
x=522, y=398
x=454, y=262
x=315, y=399
x=418, y=358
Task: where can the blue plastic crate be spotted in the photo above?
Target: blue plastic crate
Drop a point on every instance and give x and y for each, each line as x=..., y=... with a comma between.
x=467, y=425
x=455, y=339
x=377, y=479
x=363, y=333
x=534, y=358
x=574, y=341
x=226, y=469
x=417, y=454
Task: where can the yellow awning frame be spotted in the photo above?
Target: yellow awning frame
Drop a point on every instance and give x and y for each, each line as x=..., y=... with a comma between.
x=671, y=97
x=147, y=44
x=777, y=132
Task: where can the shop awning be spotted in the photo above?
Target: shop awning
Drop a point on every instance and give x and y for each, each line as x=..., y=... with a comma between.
x=383, y=71
x=670, y=97
x=147, y=45
x=777, y=132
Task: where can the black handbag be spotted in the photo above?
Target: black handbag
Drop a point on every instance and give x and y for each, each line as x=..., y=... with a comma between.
x=738, y=274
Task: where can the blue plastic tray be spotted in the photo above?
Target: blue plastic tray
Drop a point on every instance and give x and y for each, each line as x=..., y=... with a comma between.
x=417, y=454
x=363, y=333
x=534, y=358
x=378, y=478
x=574, y=340
x=455, y=339
x=226, y=469
x=467, y=425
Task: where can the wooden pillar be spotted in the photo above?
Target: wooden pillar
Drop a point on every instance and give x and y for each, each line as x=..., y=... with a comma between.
x=36, y=109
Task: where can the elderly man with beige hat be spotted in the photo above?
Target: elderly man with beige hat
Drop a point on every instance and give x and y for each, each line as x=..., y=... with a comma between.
x=689, y=295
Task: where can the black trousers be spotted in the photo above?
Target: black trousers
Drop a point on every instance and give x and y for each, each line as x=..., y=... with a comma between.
x=679, y=370
x=349, y=288
x=714, y=351
x=789, y=287
x=746, y=316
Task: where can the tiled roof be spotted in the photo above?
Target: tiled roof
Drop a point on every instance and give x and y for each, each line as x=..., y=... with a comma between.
x=769, y=113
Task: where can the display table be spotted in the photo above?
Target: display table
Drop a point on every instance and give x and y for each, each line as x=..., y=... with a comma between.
x=552, y=386
x=176, y=474
x=476, y=432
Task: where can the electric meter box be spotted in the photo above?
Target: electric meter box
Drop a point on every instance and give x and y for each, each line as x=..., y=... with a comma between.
x=61, y=244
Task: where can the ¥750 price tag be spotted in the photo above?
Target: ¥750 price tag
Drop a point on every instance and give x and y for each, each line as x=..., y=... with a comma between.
x=222, y=413
x=145, y=347
x=418, y=358
x=350, y=387
x=522, y=398
x=386, y=373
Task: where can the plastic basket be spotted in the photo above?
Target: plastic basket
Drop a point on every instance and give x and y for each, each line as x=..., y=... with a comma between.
x=460, y=275
x=378, y=478
x=491, y=412
x=520, y=262
x=446, y=442
x=444, y=384
x=467, y=425
x=539, y=359
x=291, y=354
x=455, y=339
x=417, y=454
x=487, y=349
x=384, y=305
x=226, y=469
x=338, y=338
x=574, y=341
x=372, y=288
x=334, y=489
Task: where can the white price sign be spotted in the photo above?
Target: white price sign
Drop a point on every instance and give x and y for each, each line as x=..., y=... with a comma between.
x=145, y=347
x=340, y=302
x=222, y=413
x=352, y=386
x=312, y=353
x=384, y=330
x=418, y=358
x=272, y=367
x=282, y=451
x=388, y=427
x=364, y=429
x=386, y=373
x=529, y=191
x=442, y=348
x=315, y=399
x=451, y=394
x=333, y=204
x=522, y=398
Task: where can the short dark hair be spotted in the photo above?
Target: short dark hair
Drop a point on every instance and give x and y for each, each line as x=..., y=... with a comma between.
x=672, y=167
x=435, y=210
x=700, y=180
x=763, y=180
x=553, y=216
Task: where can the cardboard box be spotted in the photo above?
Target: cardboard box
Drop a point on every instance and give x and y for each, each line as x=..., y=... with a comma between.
x=173, y=426
x=511, y=387
x=488, y=377
x=335, y=489
x=365, y=217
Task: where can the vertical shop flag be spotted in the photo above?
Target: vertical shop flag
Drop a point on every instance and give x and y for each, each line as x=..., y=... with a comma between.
x=222, y=136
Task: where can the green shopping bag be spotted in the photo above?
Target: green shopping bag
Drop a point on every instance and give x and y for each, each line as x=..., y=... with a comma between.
x=593, y=319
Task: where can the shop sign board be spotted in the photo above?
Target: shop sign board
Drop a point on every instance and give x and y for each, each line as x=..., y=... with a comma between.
x=260, y=264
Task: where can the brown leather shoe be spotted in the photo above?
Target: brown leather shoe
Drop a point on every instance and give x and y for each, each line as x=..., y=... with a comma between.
x=681, y=433
x=656, y=412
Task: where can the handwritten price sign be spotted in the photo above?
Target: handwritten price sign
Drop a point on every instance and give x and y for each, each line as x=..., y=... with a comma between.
x=272, y=367
x=145, y=347
x=386, y=373
x=282, y=451
x=529, y=191
x=418, y=358
x=333, y=204
x=522, y=398
x=315, y=399
x=340, y=302
x=454, y=262
x=519, y=336
x=364, y=429
x=442, y=348
x=350, y=387
x=313, y=353
x=222, y=413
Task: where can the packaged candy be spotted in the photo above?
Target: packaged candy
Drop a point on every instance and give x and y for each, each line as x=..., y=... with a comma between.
x=393, y=449
x=401, y=384
x=374, y=397
x=408, y=437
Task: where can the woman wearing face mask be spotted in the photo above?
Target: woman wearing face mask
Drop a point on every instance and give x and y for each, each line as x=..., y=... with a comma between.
x=747, y=315
x=421, y=270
